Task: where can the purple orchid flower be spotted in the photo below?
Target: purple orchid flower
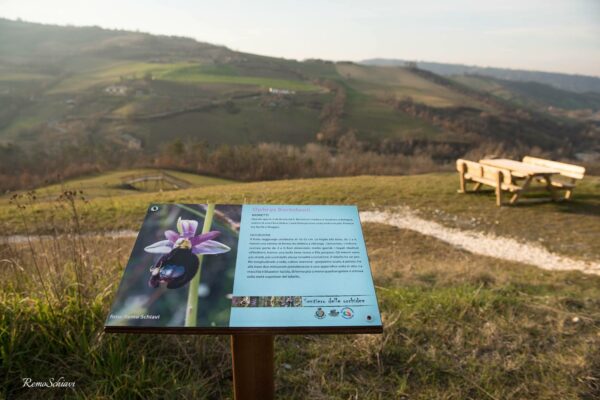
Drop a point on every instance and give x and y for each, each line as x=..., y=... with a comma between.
x=179, y=262
x=185, y=238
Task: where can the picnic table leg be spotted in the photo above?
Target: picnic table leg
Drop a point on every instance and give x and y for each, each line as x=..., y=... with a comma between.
x=568, y=194
x=253, y=370
x=463, y=184
x=499, y=189
x=524, y=188
x=550, y=188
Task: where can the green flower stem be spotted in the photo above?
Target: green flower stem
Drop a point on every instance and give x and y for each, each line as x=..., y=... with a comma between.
x=191, y=314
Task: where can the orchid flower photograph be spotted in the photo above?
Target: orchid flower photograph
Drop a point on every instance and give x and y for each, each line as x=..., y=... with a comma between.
x=182, y=267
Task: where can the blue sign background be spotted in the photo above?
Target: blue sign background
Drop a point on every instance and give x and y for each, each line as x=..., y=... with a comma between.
x=326, y=296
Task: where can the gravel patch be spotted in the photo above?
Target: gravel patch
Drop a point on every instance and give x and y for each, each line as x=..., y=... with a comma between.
x=481, y=243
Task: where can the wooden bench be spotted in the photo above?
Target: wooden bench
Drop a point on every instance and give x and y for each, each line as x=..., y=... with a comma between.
x=473, y=172
x=569, y=173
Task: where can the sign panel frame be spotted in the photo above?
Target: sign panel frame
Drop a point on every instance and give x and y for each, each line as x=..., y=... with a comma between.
x=261, y=270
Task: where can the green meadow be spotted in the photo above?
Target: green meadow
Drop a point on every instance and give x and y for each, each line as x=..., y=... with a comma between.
x=456, y=325
x=106, y=73
x=111, y=72
x=566, y=227
x=402, y=82
x=201, y=74
x=114, y=184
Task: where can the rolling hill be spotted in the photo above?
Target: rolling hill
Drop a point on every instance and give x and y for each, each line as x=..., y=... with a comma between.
x=569, y=82
x=532, y=93
x=84, y=99
x=561, y=95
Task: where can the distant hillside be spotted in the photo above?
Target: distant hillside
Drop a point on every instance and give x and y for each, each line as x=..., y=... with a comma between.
x=24, y=44
x=574, y=83
x=77, y=100
x=533, y=94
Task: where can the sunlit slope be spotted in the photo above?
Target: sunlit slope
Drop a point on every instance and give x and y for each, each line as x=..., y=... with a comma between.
x=117, y=183
x=569, y=227
x=532, y=94
x=402, y=82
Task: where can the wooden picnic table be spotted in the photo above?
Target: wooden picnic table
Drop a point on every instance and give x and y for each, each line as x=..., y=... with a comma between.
x=528, y=172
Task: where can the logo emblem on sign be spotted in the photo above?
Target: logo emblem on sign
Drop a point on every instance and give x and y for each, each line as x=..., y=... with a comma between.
x=334, y=313
x=347, y=313
x=320, y=314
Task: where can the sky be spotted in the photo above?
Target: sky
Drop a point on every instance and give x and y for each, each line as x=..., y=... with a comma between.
x=546, y=35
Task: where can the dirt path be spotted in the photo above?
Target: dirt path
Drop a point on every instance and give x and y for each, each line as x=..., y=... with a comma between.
x=475, y=242
x=480, y=243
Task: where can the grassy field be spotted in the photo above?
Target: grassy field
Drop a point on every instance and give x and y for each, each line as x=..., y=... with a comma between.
x=456, y=325
x=110, y=184
x=374, y=120
x=32, y=116
x=211, y=74
x=400, y=83
x=175, y=87
x=569, y=228
x=11, y=76
x=109, y=73
x=250, y=123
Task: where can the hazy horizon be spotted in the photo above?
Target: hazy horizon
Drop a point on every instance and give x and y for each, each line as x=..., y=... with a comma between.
x=550, y=36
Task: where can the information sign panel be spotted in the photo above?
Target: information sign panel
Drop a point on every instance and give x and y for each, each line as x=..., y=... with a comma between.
x=234, y=269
